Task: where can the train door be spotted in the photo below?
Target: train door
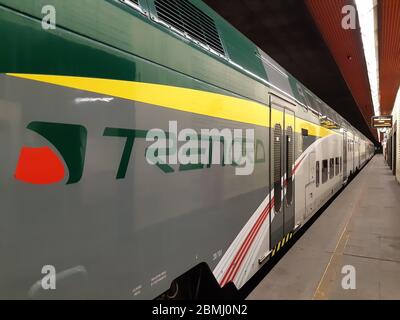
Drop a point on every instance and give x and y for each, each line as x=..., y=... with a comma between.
x=344, y=156
x=289, y=167
x=310, y=186
x=352, y=162
x=282, y=123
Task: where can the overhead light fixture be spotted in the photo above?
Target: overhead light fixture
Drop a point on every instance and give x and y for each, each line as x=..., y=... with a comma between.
x=367, y=15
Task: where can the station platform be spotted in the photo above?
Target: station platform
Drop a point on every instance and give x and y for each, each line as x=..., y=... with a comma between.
x=360, y=228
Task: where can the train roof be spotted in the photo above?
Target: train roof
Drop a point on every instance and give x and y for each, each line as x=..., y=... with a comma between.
x=193, y=29
x=247, y=54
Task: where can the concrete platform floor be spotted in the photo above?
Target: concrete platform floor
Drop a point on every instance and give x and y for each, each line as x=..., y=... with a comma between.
x=360, y=228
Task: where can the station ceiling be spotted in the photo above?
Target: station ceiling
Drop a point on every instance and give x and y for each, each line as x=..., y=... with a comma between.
x=307, y=39
x=389, y=52
x=346, y=47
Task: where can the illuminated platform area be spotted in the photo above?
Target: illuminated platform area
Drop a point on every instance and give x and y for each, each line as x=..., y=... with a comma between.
x=352, y=251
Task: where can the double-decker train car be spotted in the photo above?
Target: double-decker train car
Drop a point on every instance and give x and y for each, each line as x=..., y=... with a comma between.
x=149, y=149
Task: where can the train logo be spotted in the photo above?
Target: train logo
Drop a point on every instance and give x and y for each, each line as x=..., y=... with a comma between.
x=42, y=165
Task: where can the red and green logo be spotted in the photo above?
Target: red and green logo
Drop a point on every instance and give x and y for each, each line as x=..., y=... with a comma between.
x=41, y=165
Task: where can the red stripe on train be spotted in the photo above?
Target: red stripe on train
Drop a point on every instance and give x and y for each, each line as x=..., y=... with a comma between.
x=244, y=248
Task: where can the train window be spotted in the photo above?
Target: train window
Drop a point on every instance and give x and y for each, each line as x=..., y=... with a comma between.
x=337, y=169
x=318, y=105
x=317, y=174
x=289, y=165
x=134, y=4
x=324, y=109
x=304, y=132
x=277, y=167
x=131, y=3
x=331, y=168
x=324, y=171
x=340, y=164
x=301, y=93
x=191, y=21
x=310, y=100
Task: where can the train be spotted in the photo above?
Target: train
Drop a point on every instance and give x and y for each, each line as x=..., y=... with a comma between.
x=152, y=151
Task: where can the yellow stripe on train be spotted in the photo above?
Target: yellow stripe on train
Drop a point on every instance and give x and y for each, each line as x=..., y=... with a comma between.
x=178, y=98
